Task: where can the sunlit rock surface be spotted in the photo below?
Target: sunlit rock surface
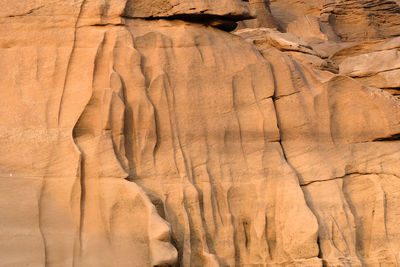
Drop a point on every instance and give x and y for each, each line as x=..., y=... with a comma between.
x=144, y=133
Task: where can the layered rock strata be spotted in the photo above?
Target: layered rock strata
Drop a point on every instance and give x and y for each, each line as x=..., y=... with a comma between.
x=138, y=133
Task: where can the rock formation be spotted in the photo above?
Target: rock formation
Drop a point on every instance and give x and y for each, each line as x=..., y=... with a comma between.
x=263, y=17
x=149, y=133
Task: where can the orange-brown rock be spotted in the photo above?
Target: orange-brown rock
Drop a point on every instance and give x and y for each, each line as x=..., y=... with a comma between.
x=144, y=133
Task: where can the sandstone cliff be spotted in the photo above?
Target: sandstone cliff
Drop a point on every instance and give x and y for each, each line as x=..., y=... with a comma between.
x=199, y=133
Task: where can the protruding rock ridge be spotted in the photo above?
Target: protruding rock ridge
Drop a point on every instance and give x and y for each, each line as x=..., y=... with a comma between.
x=166, y=8
x=290, y=44
x=221, y=14
x=378, y=69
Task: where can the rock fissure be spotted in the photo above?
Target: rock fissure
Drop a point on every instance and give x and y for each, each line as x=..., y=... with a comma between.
x=29, y=12
x=225, y=23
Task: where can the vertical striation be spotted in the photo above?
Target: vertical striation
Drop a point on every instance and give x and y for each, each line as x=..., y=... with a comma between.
x=144, y=133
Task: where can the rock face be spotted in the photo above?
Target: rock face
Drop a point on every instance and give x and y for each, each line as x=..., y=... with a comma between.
x=263, y=16
x=142, y=133
x=167, y=8
x=351, y=20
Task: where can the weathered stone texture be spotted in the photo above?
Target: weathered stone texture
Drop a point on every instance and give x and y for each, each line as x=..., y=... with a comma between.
x=142, y=133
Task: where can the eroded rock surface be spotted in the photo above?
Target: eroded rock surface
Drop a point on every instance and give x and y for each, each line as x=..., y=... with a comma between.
x=138, y=133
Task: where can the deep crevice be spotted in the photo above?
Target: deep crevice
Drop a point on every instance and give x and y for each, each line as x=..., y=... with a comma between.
x=225, y=22
x=102, y=25
x=394, y=137
x=196, y=17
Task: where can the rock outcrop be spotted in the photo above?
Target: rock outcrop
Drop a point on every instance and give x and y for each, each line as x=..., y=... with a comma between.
x=144, y=133
x=351, y=20
x=263, y=16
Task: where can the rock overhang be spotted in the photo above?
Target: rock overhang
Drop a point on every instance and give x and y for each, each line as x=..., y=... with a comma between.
x=222, y=14
x=234, y=10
